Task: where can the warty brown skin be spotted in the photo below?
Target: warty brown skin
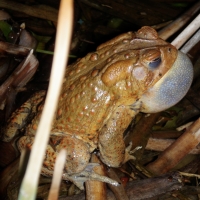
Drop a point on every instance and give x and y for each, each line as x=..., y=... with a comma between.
x=99, y=99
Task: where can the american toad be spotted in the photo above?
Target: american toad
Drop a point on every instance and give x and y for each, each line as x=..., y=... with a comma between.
x=101, y=94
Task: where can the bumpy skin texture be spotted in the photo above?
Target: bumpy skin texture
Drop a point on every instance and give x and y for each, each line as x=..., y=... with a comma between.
x=100, y=96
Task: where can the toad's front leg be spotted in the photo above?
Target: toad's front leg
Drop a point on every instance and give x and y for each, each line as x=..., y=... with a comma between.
x=111, y=143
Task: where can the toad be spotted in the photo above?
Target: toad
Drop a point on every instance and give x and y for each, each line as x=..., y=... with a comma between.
x=102, y=92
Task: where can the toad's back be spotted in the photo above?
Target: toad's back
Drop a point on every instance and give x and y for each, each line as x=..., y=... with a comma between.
x=95, y=85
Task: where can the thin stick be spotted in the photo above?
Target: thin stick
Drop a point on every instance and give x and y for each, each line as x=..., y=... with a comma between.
x=169, y=30
x=57, y=175
x=187, y=33
x=30, y=181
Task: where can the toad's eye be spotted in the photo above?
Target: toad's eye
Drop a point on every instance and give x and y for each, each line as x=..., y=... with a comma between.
x=152, y=58
x=155, y=63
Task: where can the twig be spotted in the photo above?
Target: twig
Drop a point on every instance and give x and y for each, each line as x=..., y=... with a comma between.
x=96, y=190
x=169, y=158
x=187, y=33
x=119, y=190
x=4, y=15
x=141, y=132
x=14, y=49
x=41, y=11
x=166, y=134
x=169, y=30
x=29, y=184
x=144, y=189
x=184, y=126
x=57, y=175
x=6, y=176
x=193, y=41
x=155, y=144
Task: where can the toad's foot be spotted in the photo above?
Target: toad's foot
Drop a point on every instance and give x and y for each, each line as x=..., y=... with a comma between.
x=86, y=175
x=128, y=152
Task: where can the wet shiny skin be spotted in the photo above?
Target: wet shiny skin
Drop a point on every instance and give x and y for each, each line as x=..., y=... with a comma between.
x=102, y=93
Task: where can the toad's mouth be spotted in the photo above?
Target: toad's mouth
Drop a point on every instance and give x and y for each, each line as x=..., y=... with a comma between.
x=171, y=88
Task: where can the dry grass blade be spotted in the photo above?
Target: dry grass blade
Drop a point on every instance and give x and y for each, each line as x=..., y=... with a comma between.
x=191, y=43
x=29, y=184
x=57, y=175
x=19, y=77
x=190, y=175
x=187, y=33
